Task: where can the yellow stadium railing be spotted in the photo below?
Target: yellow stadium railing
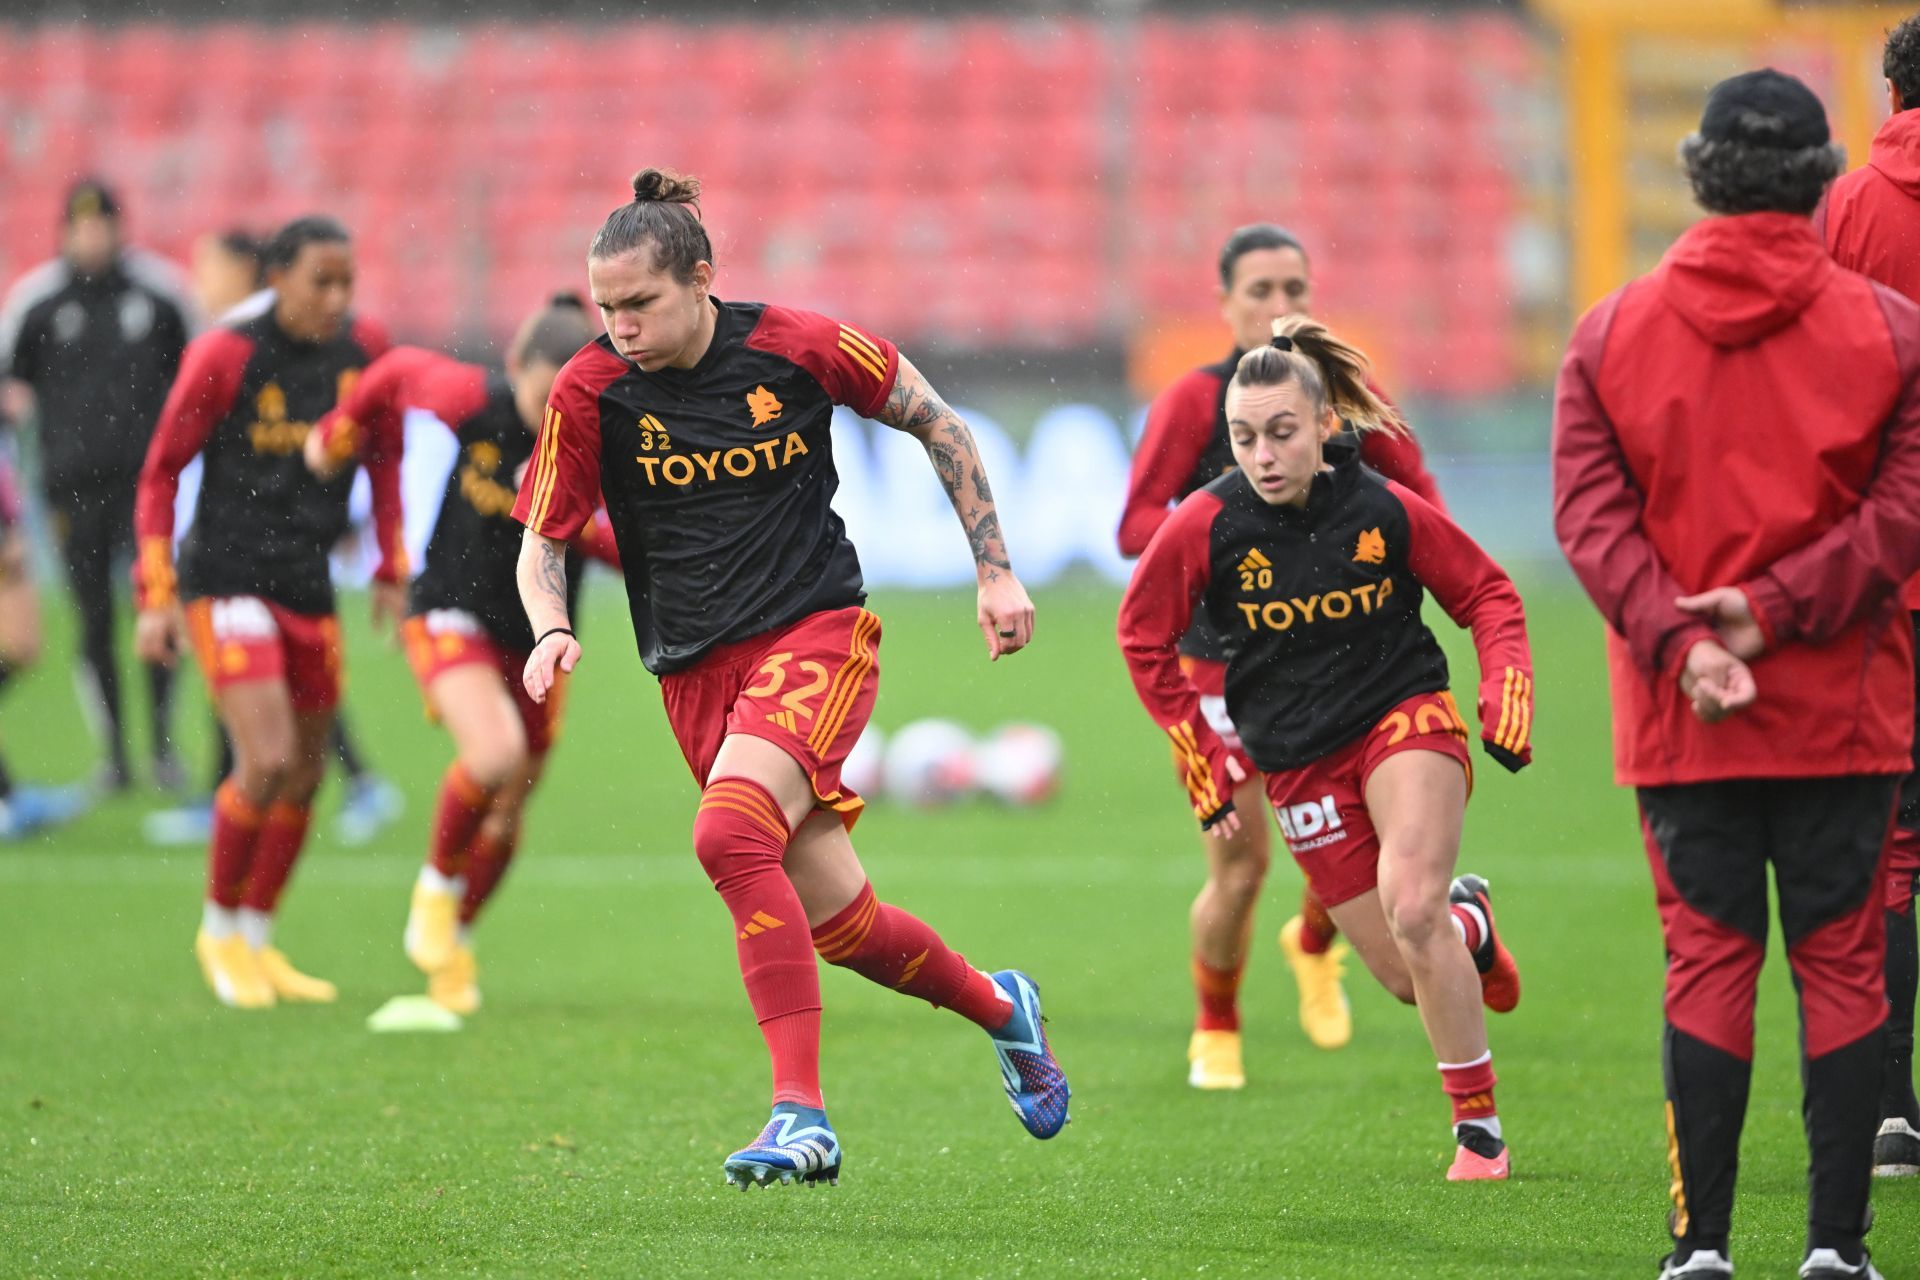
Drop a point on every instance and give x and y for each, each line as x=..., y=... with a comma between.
x=1635, y=76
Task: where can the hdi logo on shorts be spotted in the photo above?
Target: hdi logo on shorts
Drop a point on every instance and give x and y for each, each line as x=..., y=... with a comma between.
x=1316, y=822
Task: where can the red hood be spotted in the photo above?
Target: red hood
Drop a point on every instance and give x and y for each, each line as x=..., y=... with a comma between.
x=1737, y=279
x=1896, y=151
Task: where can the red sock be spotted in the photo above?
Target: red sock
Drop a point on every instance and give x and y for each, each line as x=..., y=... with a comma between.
x=1470, y=1086
x=1317, y=929
x=740, y=837
x=281, y=836
x=895, y=949
x=1469, y=926
x=1219, y=995
x=236, y=832
x=463, y=803
x=487, y=861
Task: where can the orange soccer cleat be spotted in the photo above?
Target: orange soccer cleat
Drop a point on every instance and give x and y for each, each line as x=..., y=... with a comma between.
x=1499, y=975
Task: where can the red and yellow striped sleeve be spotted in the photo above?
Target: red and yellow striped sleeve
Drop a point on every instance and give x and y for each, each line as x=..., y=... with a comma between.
x=855, y=368
x=203, y=393
x=1154, y=613
x=561, y=488
x=1478, y=594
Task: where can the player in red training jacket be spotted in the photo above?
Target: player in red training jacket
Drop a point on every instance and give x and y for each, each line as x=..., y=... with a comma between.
x=1263, y=277
x=253, y=572
x=1312, y=570
x=466, y=636
x=706, y=426
x=1870, y=221
x=1736, y=475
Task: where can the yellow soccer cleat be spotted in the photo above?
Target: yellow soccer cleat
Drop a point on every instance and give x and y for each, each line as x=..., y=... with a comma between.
x=431, y=920
x=455, y=987
x=1324, y=1013
x=291, y=984
x=1214, y=1058
x=231, y=971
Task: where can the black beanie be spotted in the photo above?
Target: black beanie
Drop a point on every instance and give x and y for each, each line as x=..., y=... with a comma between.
x=1765, y=108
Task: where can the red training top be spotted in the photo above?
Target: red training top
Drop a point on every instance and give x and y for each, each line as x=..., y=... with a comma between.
x=246, y=396
x=475, y=547
x=1871, y=222
x=1748, y=414
x=718, y=479
x=1319, y=609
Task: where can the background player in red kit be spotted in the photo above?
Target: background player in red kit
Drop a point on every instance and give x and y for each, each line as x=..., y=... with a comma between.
x=466, y=635
x=1311, y=568
x=254, y=575
x=706, y=427
x=1871, y=224
x=1264, y=276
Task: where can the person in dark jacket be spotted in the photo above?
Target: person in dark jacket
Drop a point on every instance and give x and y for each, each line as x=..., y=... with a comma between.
x=1743, y=423
x=1870, y=221
x=97, y=334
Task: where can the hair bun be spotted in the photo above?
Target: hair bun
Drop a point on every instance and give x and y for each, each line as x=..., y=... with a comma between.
x=568, y=298
x=663, y=187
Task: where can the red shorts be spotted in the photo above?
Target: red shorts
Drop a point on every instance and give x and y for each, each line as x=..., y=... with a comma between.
x=240, y=639
x=807, y=688
x=1323, y=807
x=442, y=639
x=1210, y=678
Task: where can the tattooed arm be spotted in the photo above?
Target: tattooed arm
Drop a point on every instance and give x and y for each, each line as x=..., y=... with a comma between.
x=1005, y=613
x=542, y=576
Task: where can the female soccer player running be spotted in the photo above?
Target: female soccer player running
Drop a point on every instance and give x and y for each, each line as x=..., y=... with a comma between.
x=466, y=636
x=1264, y=277
x=253, y=573
x=1311, y=568
x=705, y=425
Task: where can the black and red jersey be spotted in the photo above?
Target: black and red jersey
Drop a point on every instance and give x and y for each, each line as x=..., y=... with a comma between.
x=1319, y=611
x=718, y=480
x=475, y=545
x=1186, y=447
x=245, y=399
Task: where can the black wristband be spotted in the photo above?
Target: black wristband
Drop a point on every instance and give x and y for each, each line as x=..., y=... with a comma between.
x=1512, y=762
x=1213, y=819
x=554, y=631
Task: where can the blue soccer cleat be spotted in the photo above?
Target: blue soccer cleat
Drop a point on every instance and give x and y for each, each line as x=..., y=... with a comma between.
x=370, y=806
x=1035, y=1084
x=796, y=1146
x=27, y=810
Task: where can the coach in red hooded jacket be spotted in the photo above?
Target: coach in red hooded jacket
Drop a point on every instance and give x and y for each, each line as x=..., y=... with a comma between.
x=1870, y=221
x=1748, y=416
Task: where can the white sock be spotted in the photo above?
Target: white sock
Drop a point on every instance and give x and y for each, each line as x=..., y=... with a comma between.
x=432, y=880
x=219, y=922
x=257, y=928
x=1472, y=909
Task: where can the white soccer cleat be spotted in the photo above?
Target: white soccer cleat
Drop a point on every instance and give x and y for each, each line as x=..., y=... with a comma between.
x=1896, y=1149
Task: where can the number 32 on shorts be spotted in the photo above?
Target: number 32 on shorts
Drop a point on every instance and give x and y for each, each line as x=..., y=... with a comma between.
x=775, y=670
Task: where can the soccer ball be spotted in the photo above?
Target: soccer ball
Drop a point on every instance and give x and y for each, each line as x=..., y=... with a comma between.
x=1019, y=763
x=860, y=773
x=929, y=762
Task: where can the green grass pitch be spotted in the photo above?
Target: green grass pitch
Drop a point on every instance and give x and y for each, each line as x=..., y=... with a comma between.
x=577, y=1125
